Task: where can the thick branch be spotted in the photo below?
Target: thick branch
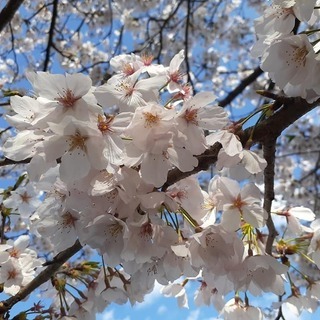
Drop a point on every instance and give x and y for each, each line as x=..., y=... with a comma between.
x=271, y=128
x=292, y=110
x=8, y=12
x=41, y=278
x=206, y=159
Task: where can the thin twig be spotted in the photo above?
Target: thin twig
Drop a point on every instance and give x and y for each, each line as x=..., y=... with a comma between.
x=240, y=87
x=51, y=33
x=7, y=162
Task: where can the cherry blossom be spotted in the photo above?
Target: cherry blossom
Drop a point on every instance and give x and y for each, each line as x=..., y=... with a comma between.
x=145, y=162
x=297, y=64
x=239, y=203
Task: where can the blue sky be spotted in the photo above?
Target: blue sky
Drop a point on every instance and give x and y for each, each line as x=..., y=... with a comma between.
x=157, y=307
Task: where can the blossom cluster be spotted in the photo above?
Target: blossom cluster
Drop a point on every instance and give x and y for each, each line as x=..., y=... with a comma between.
x=290, y=59
x=18, y=264
x=103, y=155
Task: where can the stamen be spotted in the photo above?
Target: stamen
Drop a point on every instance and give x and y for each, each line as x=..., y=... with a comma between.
x=150, y=119
x=191, y=116
x=67, y=99
x=78, y=141
x=104, y=124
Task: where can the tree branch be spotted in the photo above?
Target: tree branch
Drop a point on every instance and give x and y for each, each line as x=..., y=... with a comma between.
x=8, y=12
x=51, y=33
x=206, y=159
x=292, y=110
x=271, y=128
x=269, y=153
x=7, y=162
x=240, y=87
x=41, y=278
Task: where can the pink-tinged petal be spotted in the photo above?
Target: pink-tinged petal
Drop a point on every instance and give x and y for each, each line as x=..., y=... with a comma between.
x=22, y=242
x=229, y=188
x=74, y=165
x=229, y=141
x=152, y=200
x=78, y=83
x=252, y=162
x=230, y=220
x=24, y=145
x=176, y=61
x=182, y=159
x=154, y=169
x=254, y=215
x=302, y=213
x=55, y=147
x=200, y=100
x=38, y=166
x=212, y=118
x=250, y=193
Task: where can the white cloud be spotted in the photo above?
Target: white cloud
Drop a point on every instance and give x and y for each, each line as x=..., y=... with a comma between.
x=194, y=315
x=162, y=309
x=152, y=297
x=109, y=315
